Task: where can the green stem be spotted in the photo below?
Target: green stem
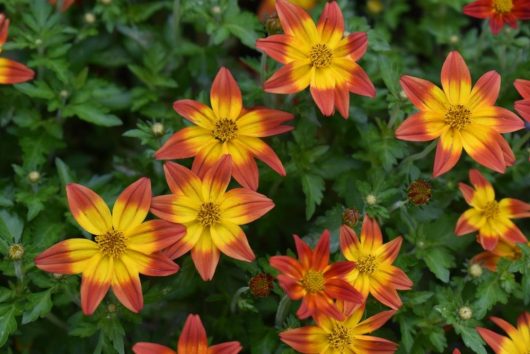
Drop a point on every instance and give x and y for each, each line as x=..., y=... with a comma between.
x=57, y=321
x=235, y=298
x=19, y=272
x=283, y=309
x=419, y=155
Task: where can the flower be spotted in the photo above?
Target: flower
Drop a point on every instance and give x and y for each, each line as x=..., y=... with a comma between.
x=124, y=246
x=489, y=217
x=461, y=117
x=518, y=341
x=317, y=56
x=192, y=340
x=65, y=4
x=330, y=335
x=226, y=128
x=523, y=106
x=315, y=281
x=211, y=214
x=374, y=272
x=268, y=7
x=11, y=72
x=489, y=259
x=419, y=192
x=261, y=285
x=499, y=12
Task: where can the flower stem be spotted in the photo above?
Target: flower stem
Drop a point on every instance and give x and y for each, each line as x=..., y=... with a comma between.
x=283, y=308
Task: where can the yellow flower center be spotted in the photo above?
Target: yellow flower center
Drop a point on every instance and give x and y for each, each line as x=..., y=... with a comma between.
x=491, y=210
x=457, y=117
x=320, y=56
x=209, y=214
x=366, y=264
x=225, y=130
x=112, y=243
x=340, y=338
x=502, y=6
x=313, y=281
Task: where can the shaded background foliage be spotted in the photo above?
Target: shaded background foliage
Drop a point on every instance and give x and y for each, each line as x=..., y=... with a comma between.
x=107, y=74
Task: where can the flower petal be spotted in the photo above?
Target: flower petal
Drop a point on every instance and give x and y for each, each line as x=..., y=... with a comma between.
x=291, y=78
x=4, y=28
x=12, y=72
x=262, y=122
x=182, y=181
x=349, y=243
x=390, y=250
x=225, y=95
x=523, y=87
x=193, y=339
x=479, y=9
x=322, y=91
x=321, y=252
x=481, y=144
x=375, y=322
x=484, y=192
x=216, y=180
x=67, y=257
x=126, y=285
x=470, y=221
x=448, y=152
x=421, y=126
x=309, y=339
x=423, y=94
x=354, y=46
x=523, y=108
x=194, y=232
x=185, y=143
x=467, y=191
x=281, y=48
x=232, y=241
x=341, y=290
x=494, y=340
x=88, y=209
x=225, y=348
x=263, y=152
x=196, y=112
x=151, y=348
x=244, y=167
x=342, y=100
x=498, y=118
x=486, y=91
x=371, y=236
x=287, y=265
x=456, y=79
x=205, y=255
x=95, y=283
x=331, y=24
x=514, y=208
x=242, y=206
x=296, y=22
x=360, y=82
x=155, y=264
x=132, y=206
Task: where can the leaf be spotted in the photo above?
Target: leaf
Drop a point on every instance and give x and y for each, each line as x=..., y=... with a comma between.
x=37, y=89
x=438, y=259
x=471, y=338
x=63, y=171
x=11, y=227
x=94, y=115
x=313, y=186
x=39, y=304
x=489, y=293
x=437, y=338
x=8, y=323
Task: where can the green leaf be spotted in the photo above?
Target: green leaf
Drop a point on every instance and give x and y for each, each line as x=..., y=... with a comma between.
x=437, y=338
x=313, y=187
x=94, y=115
x=37, y=89
x=489, y=292
x=439, y=260
x=471, y=338
x=11, y=227
x=8, y=323
x=64, y=171
x=39, y=304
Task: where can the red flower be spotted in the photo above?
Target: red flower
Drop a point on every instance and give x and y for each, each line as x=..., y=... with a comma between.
x=523, y=106
x=499, y=12
x=11, y=72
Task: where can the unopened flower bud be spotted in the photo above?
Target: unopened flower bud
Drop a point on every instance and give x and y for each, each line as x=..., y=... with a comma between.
x=374, y=6
x=475, y=270
x=465, y=313
x=34, y=176
x=90, y=18
x=371, y=199
x=216, y=10
x=273, y=25
x=38, y=42
x=64, y=94
x=350, y=217
x=454, y=39
x=158, y=129
x=260, y=285
x=419, y=192
x=57, y=275
x=402, y=94
x=16, y=251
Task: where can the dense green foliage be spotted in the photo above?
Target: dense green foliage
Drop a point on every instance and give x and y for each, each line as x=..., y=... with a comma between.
x=104, y=79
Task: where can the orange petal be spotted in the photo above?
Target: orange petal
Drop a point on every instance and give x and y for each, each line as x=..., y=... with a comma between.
x=193, y=339
x=467, y=191
x=12, y=72
x=322, y=90
x=342, y=100
x=481, y=144
x=182, y=181
x=385, y=295
x=231, y=240
x=281, y=48
x=67, y=257
x=370, y=344
x=126, y=285
x=225, y=95
x=309, y=339
x=515, y=208
x=154, y=235
x=183, y=144
x=341, y=290
x=486, y=91
x=205, y=255
x=305, y=254
x=151, y=348
x=371, y=236
x=479, y=9
x=262, y=122
x=155, y=264
x=4, y=28
x=390, y=250
x=448, y=152
x=263, y=152
x=216, y=180
x=523, y=87
x=331, y=24
x=421, y=126
x=196, y=112
x=95, y=283
x=296, y=22
x=225, y=348
x=375, y=322
x=339, y=269
x=88, y=209
x=242, y=206
x=354, y=46
x=482, y=186
x=349, y=243
x=501, y=119
x=360, y=83
x=506, y=326
x=488, y=241
x=494, y=340
x=287, y=265
x=466, y=223
x=244, y=168
x=456, y=79
x=194, y=232
x=291, y=286
x=423, y=94
x=291, y=78
x=132, y=206
x=321, y=252
x=523, y=108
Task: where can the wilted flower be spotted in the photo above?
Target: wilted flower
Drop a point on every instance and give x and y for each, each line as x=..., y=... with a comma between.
x=419, y=192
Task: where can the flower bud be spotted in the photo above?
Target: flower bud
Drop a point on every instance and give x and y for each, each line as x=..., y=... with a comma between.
x=260, y=285
x=475, y=270
x=273, y=25
x=34, y=176
x=16, y=251
x=419, y=192
x=454, y=39
x=350, y=217
x=371, y=199
x=90, y=18
x=374, y=6
x=216, y=10
x=465, y=313
x=158, y=129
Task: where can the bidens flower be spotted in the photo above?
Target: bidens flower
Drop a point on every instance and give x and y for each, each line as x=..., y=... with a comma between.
x=317, y=56
x=350, y=335
x=518, y=340
x=226, y=128
x=11, y=72
x=192, y=340
x=212, y=215
x=499, y=12
x=315, y=281
x=461, y=117
x=489, y=259
x=489, y=217
x=523, y=106
x=124, y=246
x=374, y=273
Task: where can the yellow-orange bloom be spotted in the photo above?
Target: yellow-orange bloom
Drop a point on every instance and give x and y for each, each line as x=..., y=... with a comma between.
x=331, y=336
x=489, y=217
x=11, y=72
x=315, y=281
x=374, y=273
x=317, y=56
x=211, y=214
x=461, y=117
x=489, y=259
x=124, y=246
x=192, y=340
x=518, y=340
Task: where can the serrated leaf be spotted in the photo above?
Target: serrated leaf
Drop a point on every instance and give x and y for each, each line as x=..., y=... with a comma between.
x=11, y=227
x=471, y=338
x=39, y=305
x=8, y=323
x=313, y=186
x=64, y=171
x=94, y=115
x=439, y=260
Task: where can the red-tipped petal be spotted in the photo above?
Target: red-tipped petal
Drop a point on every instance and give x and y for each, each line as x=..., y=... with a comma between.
x=216, y=180
x=481, y=144
x=95, y=283
x=423, y=94
x=242, y=206
x=182, y=181
x=154, y=235
x=225, y=348
x=371, y=233
x=375, y=322
x=421, y=126
x=195, y=112
x=193, y=339
x=354, y=45
x=4, y=28
x=126, y=285
x=156, y=264
x=523, y=108
x=262, y=122
x=225, y=95
x=360, y=83
x=464, y=225
x=467, y=191
x=493, y=339
x=515, y=208
x=244, y=168
x=205, y=255
x=348, y=242
x=132, y=206
x=342, y=100
x=287, y=265
x=523, y=87
x=151, y=348
x=232, y=241
x=456, y=79
x=308, y=340
x=486, y=90
x=340, y=289
x=296, y=22
x=498, y=118
x=324, y=99
x=331, y=24
x=321, y=252
x=291, y=78
x=67, y=257
x=12, y=72
x=185, y=143
x=264, y=153
x=88, y=209
x=479, y=9
x=448, y=152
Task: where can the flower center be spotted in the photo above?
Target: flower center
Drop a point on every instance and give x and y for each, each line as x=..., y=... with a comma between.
x=313, y=281
x=209, y=214
x=225, y=130
x=366, y=264
x=457, y=117
x=112, y=243
x=491, y=210
x=320, y=56
x=502, y=6
x=340, y=338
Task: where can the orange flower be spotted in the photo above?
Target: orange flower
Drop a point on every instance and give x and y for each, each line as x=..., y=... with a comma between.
x=489, y=217
x=341, y=336
x=523, y=106
x=226, y=128
x=268, y=7
x=317, y=56
x=11, y=72
x=374, y=272
x=124, y=246
x=65, y=4
x=212, y=216
x=314, y=280
x=461, y=117
x=518, y=341
x=489, y=259
x=499, y=12
x=192, y=340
